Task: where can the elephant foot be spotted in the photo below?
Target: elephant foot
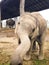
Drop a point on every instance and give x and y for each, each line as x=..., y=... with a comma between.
x=40, y=57
x=27, y=57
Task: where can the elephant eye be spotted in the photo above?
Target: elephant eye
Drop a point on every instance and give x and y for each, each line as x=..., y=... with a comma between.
x=33, y=30
x=18, y=22
x=19, y=41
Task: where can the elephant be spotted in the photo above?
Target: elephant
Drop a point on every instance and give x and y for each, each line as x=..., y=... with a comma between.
x=30, y=27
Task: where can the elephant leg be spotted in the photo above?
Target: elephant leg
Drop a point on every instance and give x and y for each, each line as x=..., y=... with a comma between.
x=41, y=53
x=41, y=47
x=34, y=46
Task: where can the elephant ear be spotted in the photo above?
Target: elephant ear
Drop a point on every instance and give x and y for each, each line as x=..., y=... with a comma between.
x=35, y=33
x=33, y=29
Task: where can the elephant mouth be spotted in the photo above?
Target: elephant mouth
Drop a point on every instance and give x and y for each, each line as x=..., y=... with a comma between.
x=16, y=64
x=20, y=64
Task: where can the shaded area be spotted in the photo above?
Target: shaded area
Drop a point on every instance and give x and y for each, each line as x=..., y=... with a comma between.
x=10, y=8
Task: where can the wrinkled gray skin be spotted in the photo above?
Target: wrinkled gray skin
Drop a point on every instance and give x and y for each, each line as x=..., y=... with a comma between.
x=29, y=25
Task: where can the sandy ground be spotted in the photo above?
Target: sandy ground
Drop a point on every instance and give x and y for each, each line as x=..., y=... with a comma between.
x=8, y=43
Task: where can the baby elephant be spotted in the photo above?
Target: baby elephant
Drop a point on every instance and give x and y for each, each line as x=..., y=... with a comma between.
x=30, y=25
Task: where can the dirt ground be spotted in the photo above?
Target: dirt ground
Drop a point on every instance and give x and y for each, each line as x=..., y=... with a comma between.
x=8, y=43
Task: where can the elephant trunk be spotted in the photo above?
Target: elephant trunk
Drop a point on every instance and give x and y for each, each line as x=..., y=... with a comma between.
x=21, y=50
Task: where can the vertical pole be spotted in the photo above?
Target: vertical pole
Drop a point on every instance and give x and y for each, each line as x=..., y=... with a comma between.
x=22, y=5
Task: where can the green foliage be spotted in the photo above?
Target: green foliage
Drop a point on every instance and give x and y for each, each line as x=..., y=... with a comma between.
x=41, y=62
x=37, y=62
